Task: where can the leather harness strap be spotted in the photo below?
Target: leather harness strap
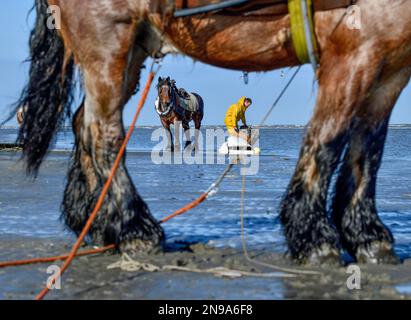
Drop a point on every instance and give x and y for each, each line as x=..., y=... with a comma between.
x=301, y=16
x=302, y=26
x=248, y=6
x=302, y=31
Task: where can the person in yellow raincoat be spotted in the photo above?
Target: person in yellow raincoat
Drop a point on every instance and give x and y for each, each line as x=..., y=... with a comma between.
x=235, y=113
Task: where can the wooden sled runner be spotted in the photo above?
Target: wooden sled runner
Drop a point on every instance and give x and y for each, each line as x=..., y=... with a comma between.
x=239, y=146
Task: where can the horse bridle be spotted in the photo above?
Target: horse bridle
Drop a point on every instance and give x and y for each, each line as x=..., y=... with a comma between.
x=169, y=106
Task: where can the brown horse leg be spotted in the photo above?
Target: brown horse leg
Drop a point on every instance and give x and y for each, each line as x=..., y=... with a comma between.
x=177, y=132
x=363, y=234
x=82, y=181
x=170, y=141
x=343, y=85
x=110, y=77
x=197, y=125
x=186, y=128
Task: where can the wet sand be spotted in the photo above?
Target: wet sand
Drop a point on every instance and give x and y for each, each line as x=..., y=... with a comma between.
x=89, y=277
x=30, y=228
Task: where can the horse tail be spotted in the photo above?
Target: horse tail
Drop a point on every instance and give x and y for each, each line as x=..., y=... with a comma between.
x=48, y=94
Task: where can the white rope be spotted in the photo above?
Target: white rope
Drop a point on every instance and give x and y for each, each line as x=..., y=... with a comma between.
x=309, y=36
x=126, y=263
x=244, y=243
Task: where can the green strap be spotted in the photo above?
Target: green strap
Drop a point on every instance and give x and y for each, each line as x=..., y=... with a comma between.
x=298, y=31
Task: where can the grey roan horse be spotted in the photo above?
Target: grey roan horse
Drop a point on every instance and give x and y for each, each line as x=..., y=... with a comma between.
x=176, y=106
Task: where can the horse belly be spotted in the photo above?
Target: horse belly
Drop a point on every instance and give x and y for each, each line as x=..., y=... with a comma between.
x=242, y=43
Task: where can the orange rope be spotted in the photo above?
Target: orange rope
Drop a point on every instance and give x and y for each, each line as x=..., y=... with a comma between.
x=186, y=208
x=103, y=194
x=52, y=259
x=178, y=212
x=74, y=252
x=214, y=186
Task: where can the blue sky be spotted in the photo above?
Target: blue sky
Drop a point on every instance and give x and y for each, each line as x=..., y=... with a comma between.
x=218, y=87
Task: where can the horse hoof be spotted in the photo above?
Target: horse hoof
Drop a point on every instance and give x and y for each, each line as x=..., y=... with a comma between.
x=378, y=252
x=188, y=143
x=169, y=149
x=138, y=246
x=325, y=255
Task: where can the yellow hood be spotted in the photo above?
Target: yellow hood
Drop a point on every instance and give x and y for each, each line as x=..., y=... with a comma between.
x=235, y=113
x=240, y=101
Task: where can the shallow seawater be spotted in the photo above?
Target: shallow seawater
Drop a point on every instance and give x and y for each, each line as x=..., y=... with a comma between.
x=404, y=288
x=31, y=208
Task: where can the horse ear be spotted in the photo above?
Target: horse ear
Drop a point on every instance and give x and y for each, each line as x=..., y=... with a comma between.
x=159, y=79
x=168, y=79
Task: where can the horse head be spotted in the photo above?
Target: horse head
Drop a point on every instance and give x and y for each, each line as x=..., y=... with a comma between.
x=166, y=95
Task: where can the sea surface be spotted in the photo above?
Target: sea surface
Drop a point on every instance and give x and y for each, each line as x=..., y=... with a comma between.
x=30, y=208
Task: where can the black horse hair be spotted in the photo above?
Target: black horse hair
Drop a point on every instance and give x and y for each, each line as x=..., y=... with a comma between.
x=48, y=93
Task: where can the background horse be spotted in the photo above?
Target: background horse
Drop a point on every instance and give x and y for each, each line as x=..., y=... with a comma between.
x=362, y=72
x=176, y=106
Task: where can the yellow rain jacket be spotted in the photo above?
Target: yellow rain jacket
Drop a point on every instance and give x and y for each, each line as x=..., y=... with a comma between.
x=235, y=113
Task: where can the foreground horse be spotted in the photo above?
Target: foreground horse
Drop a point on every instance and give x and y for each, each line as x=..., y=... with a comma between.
x=178, y=107
x=362, y=72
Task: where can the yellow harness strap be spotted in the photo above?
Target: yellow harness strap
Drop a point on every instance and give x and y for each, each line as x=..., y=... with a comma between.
x=302, y=31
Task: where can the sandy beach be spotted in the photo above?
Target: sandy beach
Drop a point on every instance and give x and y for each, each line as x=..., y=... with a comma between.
x=90, y=278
